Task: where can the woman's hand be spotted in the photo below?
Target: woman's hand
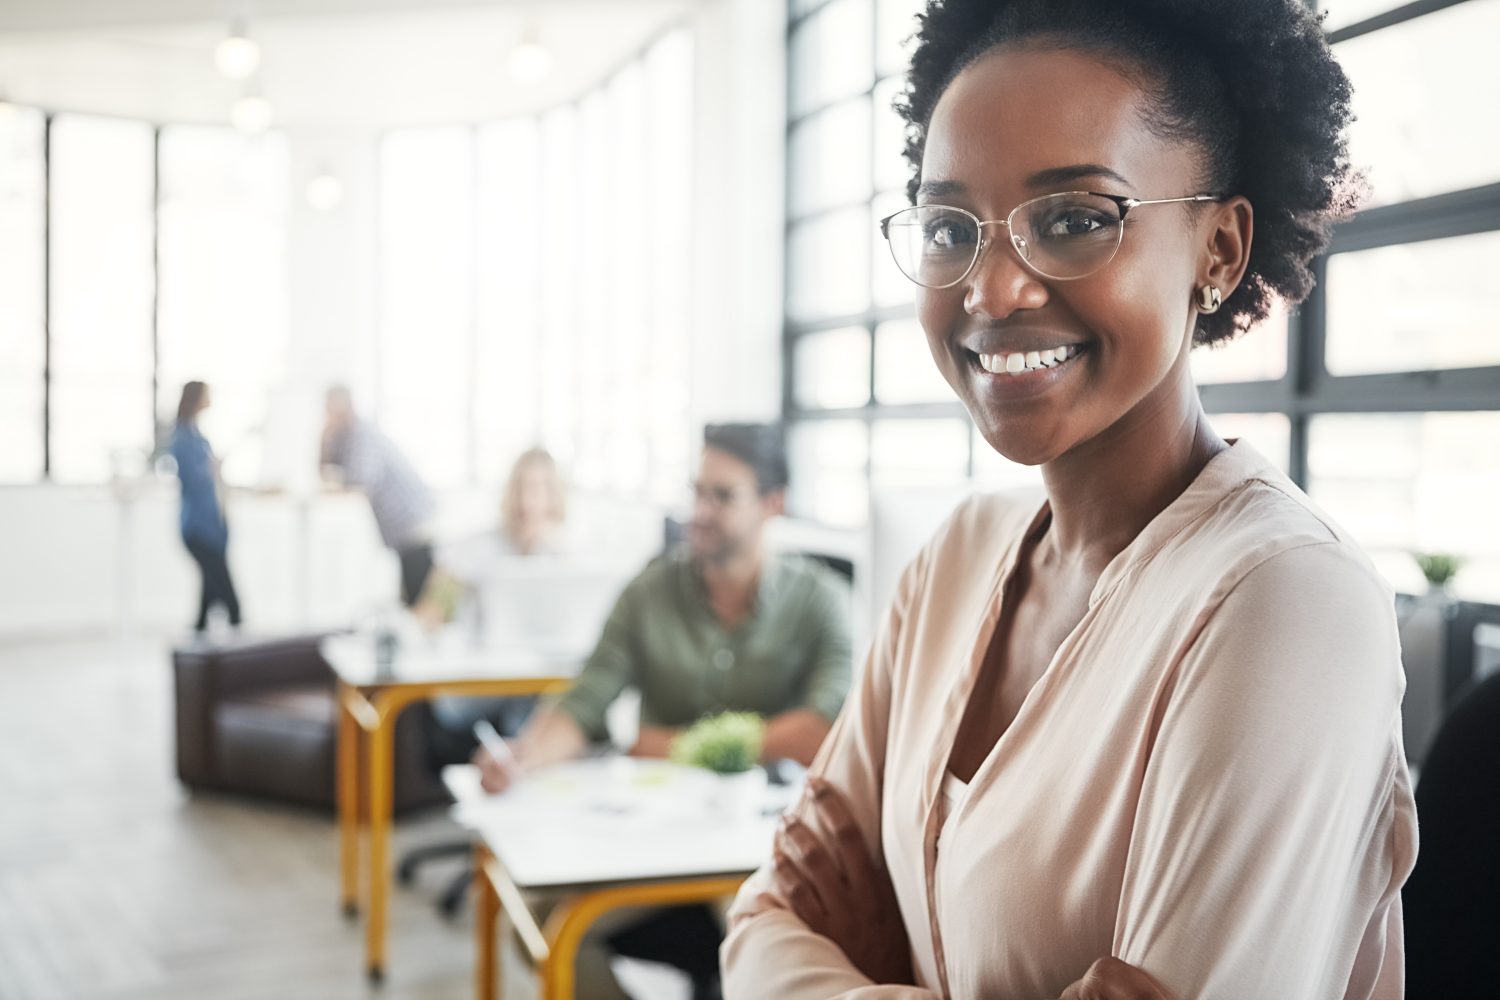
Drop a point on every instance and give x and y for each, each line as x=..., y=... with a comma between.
x=496, y=775
x=1112, y=979
x=824, y=871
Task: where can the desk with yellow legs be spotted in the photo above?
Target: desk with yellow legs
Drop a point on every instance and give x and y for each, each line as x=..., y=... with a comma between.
x=575, y=841
x=370, y=698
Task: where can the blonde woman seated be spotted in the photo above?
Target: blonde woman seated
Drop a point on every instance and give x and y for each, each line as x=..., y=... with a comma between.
x=533, y=514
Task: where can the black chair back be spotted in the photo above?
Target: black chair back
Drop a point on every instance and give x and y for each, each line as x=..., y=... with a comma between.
x=1451, y=902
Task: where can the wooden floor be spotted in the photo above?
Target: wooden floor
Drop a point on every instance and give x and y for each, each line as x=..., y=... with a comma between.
x=116, y=884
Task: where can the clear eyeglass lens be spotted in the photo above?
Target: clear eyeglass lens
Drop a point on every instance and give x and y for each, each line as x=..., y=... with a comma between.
x=933, y=245
x=1068, y=235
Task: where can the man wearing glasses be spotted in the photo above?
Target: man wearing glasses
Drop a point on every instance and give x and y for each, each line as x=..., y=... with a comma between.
x=719, y=625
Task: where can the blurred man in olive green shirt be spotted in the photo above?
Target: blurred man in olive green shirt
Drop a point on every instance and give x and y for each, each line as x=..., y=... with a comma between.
x=722, y=626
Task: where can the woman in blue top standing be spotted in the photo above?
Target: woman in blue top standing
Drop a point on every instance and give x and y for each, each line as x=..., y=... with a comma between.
x=204, y=530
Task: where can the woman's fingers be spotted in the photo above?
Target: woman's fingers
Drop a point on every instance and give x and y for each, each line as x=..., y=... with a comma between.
x=814, y=861
x=797, y=889
x=1113, y=979
x=845, y=836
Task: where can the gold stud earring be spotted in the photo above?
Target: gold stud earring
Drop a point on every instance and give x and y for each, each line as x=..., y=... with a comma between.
x=1208, y=299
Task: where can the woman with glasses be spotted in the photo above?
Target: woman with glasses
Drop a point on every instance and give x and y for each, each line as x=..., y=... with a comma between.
x=1140, y=737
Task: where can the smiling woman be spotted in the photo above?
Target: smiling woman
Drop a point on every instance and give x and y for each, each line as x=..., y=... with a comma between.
x=1141, y=738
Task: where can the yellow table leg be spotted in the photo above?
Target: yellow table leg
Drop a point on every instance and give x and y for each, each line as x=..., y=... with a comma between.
x=348, y=800
x=486, y=913
x=573, y=917
x=381, y=740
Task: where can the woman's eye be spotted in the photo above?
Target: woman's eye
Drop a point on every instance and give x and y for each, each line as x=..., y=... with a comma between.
x=1075, y=222
x=949, y=233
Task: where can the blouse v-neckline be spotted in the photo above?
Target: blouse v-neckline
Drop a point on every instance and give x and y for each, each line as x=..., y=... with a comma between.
x=1206, y=489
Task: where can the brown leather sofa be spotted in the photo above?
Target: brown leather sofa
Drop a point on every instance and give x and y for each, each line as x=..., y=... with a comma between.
x=259, y=717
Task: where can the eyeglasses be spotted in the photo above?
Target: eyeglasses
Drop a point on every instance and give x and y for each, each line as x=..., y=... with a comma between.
x=716, y=496
x=1060, y=236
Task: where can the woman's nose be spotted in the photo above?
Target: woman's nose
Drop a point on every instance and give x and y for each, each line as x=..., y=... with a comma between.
x=1000, y=283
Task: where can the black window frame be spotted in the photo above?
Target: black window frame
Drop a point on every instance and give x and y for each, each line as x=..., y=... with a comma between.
x=1306, y=390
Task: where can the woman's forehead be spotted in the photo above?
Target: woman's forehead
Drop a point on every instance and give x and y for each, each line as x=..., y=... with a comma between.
x=1024, y=113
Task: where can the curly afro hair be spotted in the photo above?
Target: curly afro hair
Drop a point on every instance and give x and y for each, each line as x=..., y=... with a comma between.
x=1251, y=82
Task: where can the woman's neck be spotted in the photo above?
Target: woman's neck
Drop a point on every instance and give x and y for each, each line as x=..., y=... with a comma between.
x=1103, y=492
x=531, y=539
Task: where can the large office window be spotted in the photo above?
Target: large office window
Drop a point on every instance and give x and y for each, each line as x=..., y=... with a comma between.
x=867, y=406
x=427, y=314
x=221, y=316
x=667, y=170
x=22, y=292
x=102, y=224
x=132, y=259
x=536, y=284
x=510, y=218
x=1380, y=395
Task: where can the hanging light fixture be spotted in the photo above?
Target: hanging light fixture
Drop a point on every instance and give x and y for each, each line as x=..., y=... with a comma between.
x=251, y=114
x=325, y=191
x=237, y=57
x=530, y=61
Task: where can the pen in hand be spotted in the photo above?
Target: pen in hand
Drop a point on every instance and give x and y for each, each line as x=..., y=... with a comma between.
x=498, y=748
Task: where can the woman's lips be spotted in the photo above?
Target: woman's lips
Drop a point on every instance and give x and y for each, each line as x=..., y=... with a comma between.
x=1037, y=371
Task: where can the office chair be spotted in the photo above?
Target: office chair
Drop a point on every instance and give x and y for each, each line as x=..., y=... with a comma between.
x=1451, y=903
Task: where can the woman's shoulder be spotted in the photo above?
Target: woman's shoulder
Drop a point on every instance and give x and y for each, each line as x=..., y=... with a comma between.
x=186, y=440
x=1265, y=553
x=1272, y=528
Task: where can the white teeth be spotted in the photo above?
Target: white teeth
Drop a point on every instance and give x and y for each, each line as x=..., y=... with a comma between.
x=1015, y=364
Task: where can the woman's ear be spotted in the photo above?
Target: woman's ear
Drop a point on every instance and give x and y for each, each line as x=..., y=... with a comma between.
x=775, y=502
x=1226, y=248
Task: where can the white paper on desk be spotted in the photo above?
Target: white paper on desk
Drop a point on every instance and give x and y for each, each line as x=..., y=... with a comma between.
x=622, y=790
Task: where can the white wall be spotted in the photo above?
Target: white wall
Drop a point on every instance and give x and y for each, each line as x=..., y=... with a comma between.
x=86, y=560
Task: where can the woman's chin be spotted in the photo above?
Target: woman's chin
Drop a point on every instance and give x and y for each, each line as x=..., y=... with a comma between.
x=1024, y=449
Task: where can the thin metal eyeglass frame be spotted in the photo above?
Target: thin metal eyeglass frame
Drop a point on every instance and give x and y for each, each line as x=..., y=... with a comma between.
x=1125, y=205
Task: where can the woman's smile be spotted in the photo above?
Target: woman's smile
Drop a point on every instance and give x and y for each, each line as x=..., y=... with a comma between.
x=1002, y=376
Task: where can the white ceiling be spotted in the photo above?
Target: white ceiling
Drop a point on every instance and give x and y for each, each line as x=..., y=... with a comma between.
x=326, y=63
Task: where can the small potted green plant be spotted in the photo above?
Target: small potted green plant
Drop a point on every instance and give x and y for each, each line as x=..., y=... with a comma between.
x=1423, y=622
x=728, y=745
x=1438, y=567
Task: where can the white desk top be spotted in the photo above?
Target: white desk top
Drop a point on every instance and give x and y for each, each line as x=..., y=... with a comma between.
x=432, y=659
x=612, y=820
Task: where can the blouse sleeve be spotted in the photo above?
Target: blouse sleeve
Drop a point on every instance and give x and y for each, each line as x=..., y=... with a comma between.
x=770, y=952
x=1276, y=823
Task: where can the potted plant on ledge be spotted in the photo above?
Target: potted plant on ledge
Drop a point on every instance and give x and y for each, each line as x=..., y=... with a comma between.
x=1439, y=568
x=728, y=745
x=1423, y=621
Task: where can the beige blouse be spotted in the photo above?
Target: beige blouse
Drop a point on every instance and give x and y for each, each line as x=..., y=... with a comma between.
x=1207, y=782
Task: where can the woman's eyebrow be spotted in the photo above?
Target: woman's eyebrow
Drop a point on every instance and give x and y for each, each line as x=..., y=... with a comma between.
x=1078, y=171
x=1051, y=177
x=936, y=189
